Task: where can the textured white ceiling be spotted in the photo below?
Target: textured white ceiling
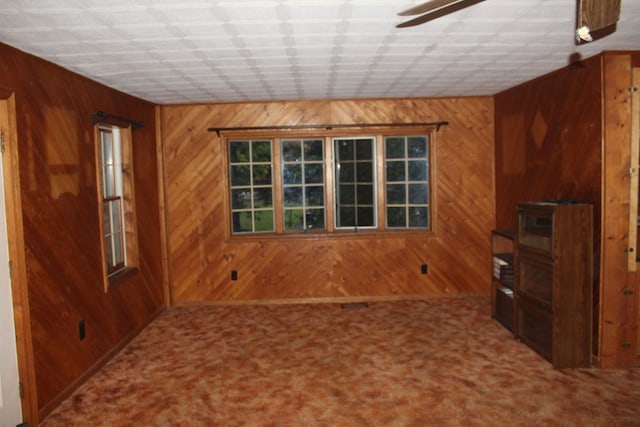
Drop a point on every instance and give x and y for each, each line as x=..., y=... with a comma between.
x=189, y=51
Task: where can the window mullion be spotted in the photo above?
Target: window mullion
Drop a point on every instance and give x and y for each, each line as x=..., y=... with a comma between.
x=330, y=195
x=380, y=179
x=278, y=198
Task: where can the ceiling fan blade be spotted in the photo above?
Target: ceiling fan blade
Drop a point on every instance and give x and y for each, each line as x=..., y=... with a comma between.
x=426, y=7
x=598, y=14
x=445, y=10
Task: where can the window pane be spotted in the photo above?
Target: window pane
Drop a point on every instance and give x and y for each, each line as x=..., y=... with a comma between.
x=313, y=150
x=365, y=217
x=395, y=171
x=314, y=196
x=396, y=217
x=345, y=149
x=240, y=175
x=396, y=194
x=106, y=218
x=293, y=219
x=347, y=217
x=313, y=173
x=417, y=147
x=242, y=222
x=261, y=151
x=365, y=172
x=365, y=195
x=109, y=180
x=262, y=175
x=364, y=149
x=394, y=148
x=262, y=198
x=293, y=196
x=264, y=220
x=107, y=147
x=291, y=151
x=418, y=194
x=417, y=170
x=315, y=219
x=347, y=172
x=108, y=254
x=346, y=195
x=118, y=252
x=418, y=217
x=239, y=151
x=291, y=174
x=116, y=216
x=241, y=199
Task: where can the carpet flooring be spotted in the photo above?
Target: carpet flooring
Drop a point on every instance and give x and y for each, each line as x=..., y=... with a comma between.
x=439, y=362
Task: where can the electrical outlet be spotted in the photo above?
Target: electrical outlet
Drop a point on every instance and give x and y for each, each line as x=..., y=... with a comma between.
x=234, y=275
x=423, y=268
x=82, y=333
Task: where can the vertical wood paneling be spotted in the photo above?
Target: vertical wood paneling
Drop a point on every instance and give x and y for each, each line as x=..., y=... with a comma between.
x=616, y=317
x=202, y=256
x=567, y=135
x=61, y=221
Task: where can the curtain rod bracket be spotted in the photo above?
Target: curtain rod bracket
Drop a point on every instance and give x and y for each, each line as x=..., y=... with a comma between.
x=219, y=131
x=99, y=116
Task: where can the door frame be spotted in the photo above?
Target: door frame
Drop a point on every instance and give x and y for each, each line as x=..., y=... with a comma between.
x=15, y=236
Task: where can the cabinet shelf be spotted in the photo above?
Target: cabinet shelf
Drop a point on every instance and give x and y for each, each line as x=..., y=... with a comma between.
x=502, y=288
x=554, y=282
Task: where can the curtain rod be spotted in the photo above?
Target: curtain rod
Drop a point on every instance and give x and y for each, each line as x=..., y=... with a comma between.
x=329, y=127
x=101, y=115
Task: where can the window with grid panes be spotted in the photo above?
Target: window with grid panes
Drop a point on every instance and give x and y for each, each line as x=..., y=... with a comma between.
x=251, y=186
x=303, y=184
x=294, y=198
x=407, y=181
x=115, y=169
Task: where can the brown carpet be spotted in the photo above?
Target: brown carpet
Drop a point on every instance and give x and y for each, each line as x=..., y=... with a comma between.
x=440, y=362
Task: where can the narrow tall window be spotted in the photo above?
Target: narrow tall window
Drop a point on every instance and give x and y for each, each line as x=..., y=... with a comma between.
x=251, y=186
x=355, y=182
x=117, y=208
x=112, y=195
x=407, y=181
x=303, y=184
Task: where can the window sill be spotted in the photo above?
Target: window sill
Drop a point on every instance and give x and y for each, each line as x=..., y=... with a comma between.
x=333, y=235
x=122, y=275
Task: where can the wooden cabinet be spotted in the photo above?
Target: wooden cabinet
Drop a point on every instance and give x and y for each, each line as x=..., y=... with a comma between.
x=502, y=289
x=554, y=270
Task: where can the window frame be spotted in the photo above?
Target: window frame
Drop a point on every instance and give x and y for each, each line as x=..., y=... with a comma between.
x=127, y=217
x=328, y=135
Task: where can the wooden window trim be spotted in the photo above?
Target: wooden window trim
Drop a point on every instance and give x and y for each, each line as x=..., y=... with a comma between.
x=129, y=223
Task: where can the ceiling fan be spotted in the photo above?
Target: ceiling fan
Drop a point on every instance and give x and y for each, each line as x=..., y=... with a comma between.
x=434, y=9
x=595, y=18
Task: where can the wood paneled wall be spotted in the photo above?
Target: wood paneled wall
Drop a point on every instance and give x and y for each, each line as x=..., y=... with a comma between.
x=331, y=267
x=61, y=222
x=566, y=135
x=549, y=140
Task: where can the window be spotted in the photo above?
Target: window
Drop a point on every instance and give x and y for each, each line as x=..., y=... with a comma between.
x=329, y=184
x=355, y=183
x=303, y=184
x=407, y=181
x=251, y=186
x=116, y=200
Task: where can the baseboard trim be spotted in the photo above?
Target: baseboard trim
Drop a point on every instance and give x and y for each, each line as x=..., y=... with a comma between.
x=49, y=407
x=327, y=300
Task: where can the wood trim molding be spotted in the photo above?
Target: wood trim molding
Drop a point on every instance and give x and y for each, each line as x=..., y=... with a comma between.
x=15, y=234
